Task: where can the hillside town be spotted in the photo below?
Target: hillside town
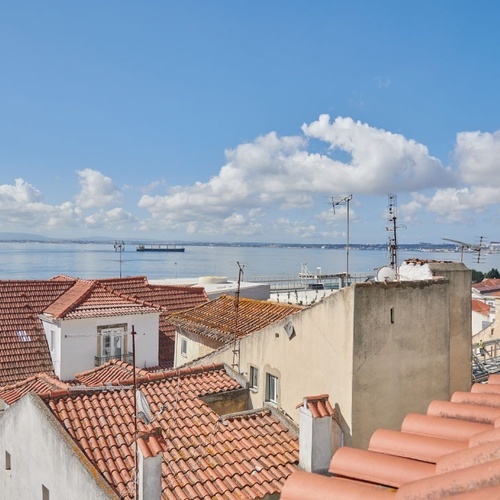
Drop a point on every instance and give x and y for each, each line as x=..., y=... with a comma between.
x=380, y=389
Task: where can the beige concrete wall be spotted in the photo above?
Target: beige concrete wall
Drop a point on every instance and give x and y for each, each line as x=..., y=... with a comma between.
x=400, y=351
x=375, y=371
x=460, y=311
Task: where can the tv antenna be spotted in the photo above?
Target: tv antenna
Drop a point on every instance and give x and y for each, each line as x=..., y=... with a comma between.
x=469, y=246
x=392, y=217
x=344, y=201
x=236, y=346
x=120, y=247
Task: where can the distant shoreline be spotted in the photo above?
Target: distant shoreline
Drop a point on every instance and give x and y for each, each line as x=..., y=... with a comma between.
x=434, y=247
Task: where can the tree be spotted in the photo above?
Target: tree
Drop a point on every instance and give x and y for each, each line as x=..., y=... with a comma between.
x=477, y=276
x=492, y=274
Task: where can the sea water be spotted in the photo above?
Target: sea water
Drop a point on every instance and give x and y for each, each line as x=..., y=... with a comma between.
x=37, y=260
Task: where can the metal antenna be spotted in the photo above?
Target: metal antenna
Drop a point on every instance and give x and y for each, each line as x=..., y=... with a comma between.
x=120, y=247
x=344, y=201
x=469, y=246
x=392, y=216
x=236, y=347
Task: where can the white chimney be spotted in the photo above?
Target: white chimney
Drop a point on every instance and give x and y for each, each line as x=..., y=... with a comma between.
x=316, y=438
x=149, y=459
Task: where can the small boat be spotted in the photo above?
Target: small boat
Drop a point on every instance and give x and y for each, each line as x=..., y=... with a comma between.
x=159, y=248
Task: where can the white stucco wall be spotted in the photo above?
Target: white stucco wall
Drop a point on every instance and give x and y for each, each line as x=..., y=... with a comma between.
x=42, y=453
x=77, y=341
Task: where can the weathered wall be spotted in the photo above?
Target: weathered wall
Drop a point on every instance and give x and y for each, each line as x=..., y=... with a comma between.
x=197, y=346
x=43, y=454
x=401, y=359
x=375, y=370
x=460, y=313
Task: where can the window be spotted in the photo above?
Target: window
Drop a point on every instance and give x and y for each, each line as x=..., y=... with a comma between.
x=111, y=342
x=45, y=493
x=52, y=339
x=7, y=461
x=254, y=377
x=271, y=388
x=184, y=346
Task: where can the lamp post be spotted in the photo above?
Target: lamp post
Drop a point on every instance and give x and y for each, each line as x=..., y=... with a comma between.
x=120, y=247
x=345, y=201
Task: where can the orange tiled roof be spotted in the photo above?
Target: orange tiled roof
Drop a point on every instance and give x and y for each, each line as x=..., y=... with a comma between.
x=23, y=347
x=87, y=299
x=245, y=455
x=41, y=383
x=480, y=307
x=218, y=319
x=170, y=298
x=112, y=372
x=452, y=451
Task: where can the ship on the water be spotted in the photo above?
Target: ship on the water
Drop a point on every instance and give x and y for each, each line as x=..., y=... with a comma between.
x=160, y=247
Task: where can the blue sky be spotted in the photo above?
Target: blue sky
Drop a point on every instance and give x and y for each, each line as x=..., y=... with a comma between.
x=239, y=121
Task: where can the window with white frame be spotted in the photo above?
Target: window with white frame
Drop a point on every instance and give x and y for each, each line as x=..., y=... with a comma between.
x=254, y=377
x=271, y=388
x=184, y=346
x=112, y=342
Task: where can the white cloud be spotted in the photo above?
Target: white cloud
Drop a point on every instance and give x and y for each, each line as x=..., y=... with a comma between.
x=21, y=192
x=21, y=204
x=478, y=157
x=382, y=162
x=97, y=190
x=114, y=218
x=280, y=172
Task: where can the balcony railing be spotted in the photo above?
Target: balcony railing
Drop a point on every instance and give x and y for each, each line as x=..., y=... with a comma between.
x=100, y=360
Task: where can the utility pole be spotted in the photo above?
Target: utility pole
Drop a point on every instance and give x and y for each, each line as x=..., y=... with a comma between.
x=345, y=201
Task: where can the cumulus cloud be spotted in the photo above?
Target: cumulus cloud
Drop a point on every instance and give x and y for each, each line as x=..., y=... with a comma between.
x=280, y=172
x=478, y=164
x=478, y=157
x=22, y=204
x=97, y=190
x=381, y=162
x=114, y=218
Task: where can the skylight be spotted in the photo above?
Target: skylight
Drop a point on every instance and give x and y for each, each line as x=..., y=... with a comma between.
x=23, y=336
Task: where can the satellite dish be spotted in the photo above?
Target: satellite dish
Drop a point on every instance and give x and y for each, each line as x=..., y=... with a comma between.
x=385, y=274
x=143, y=411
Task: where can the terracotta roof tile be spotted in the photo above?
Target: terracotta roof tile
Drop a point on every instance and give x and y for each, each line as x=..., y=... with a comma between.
x=452, y=451
x=41, y=383
x=23, y=347
x=481, y=307
x=200, y=452
x=220, y=318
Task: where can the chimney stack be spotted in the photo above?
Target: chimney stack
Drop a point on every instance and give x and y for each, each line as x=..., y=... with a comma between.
x=149, y=458
x=316, y=438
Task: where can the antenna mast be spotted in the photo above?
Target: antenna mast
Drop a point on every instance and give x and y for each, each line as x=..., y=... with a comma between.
x=236, y=346
x=392, y=216
x=345, y=201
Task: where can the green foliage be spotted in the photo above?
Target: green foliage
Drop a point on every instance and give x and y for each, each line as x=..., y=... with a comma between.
x=492, y=274
x=477, y=276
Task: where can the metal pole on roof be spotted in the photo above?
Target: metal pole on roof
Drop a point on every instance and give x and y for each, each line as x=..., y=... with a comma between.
x=136, y=484
x=345, y=201
x=236, y=346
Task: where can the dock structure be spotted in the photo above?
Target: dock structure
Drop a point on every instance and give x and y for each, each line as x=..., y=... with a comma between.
x=160, y=247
